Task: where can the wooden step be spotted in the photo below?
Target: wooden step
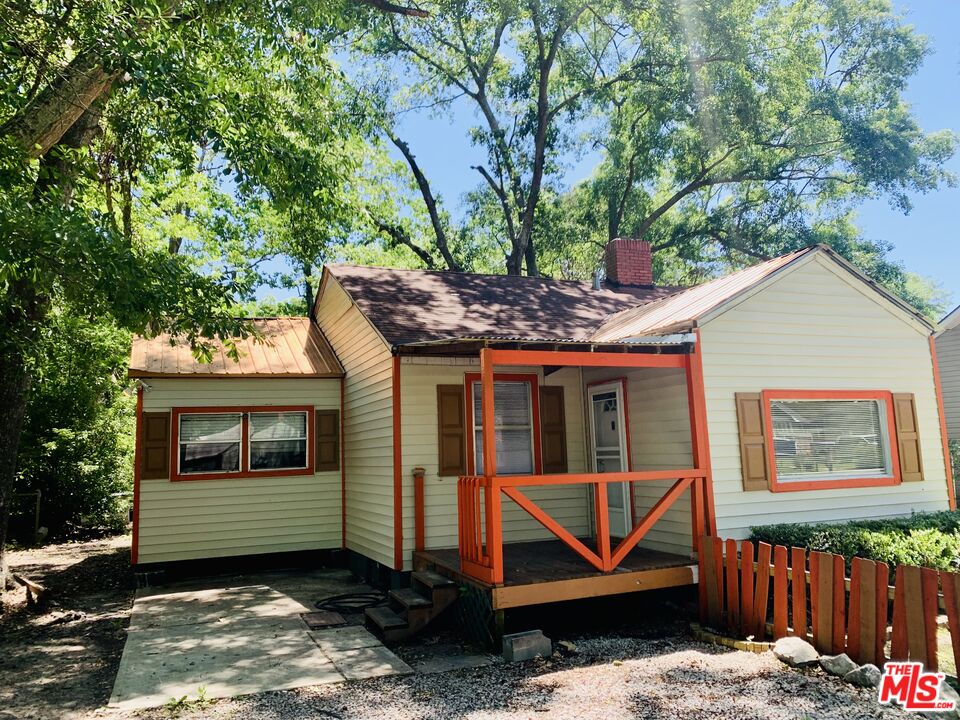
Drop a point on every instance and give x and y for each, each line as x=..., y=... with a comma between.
x=410, y=599
x=433, y=580
x=385, y=618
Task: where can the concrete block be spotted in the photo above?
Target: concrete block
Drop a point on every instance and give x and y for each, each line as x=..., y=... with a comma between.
x=526, y=646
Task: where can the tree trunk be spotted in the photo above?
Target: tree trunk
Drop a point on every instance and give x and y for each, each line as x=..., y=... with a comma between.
x=42, y=122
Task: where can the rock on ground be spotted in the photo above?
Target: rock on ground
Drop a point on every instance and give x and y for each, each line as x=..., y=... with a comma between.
x=838, y=665
x=795, y=652
x=866, y=676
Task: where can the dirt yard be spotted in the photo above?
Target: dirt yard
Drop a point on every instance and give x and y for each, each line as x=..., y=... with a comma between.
x=61, y=665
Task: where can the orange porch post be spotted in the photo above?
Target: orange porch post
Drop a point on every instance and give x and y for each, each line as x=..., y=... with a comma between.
x=701, y=493
x=492, y=498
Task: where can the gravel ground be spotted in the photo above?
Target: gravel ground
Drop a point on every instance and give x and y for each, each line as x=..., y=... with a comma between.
x=61, y=664
x=606, y=679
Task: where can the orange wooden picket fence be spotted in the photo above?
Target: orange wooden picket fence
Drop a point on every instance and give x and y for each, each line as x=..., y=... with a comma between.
x=769, y=592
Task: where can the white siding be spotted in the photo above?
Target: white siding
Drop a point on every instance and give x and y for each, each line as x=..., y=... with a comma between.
x=367, y=423
x=658, y=416
x=418, y=402
x=244, y=516
x=814, y=329
x=948, y=359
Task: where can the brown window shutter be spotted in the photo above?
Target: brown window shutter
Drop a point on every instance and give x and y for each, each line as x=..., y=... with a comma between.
x=155, y=446
x=553, y=429
x=327, y=431
x=753, y=446
x=451, y=429
x=908, y=437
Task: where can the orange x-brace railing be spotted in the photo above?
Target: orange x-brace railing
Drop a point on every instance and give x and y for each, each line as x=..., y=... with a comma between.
x=480, y=498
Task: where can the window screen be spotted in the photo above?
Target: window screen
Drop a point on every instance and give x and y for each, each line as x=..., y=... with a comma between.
x=830, y=439
x=210, y=443
x=278, y=440
x=513, y=427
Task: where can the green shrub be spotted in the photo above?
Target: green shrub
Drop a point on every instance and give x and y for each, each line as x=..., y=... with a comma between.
x=924, y=539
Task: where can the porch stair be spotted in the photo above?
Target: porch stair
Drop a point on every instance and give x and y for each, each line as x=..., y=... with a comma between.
x=412, y=609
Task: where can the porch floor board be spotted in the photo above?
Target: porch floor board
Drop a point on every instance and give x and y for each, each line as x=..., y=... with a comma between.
x=549, y=571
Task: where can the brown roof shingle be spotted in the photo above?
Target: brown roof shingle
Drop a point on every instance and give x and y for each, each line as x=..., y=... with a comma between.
x=409, y=306
x=291, y=347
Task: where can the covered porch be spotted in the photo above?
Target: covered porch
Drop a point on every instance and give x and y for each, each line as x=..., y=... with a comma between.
x=627, y=494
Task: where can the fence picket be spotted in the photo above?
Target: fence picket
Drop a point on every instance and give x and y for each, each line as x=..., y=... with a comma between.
x=951, y=599
x=711, y=548
x=838, y=604
x=798, y=585
x=915, y=616
x=762, y=591
x=779, y=591
x=733, y=587
x=747, y=621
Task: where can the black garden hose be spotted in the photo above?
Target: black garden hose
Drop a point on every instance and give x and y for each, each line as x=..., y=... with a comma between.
x=352, y=602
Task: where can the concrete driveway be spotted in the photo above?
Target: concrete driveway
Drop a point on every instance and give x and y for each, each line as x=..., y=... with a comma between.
x=242, y=635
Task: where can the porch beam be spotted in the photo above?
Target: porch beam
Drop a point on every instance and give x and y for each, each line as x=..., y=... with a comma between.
x=506, y=481
x=585, y=359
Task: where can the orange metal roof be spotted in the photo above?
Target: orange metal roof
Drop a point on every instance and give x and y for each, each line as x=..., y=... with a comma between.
x=290, y=347
x=680, y=311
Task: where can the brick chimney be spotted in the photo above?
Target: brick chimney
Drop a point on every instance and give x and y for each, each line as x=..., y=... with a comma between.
x=628, y=262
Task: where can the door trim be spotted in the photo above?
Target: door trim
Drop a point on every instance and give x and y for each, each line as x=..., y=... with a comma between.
x=620, y=386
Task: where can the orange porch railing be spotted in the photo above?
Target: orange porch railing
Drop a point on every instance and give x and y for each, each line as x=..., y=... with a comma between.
x=479, y=501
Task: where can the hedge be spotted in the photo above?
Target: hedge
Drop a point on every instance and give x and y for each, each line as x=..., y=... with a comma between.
x=924, y=539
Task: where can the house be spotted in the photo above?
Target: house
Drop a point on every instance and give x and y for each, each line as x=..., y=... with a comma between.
x=948, y=357
x=542, y=440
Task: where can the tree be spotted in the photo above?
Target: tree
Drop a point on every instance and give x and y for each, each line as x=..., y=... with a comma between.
x=247, y=80
x=715, y=121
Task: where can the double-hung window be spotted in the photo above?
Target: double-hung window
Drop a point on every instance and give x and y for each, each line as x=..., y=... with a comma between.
x=278, y=440
x=822, y=440
x=217, y=443
x=513, y=426
x=210, y=443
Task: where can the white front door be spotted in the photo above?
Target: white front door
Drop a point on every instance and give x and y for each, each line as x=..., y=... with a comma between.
x=609, y=441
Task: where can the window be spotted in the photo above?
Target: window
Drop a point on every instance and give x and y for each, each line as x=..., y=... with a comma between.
x=210, y=443
x=514, y=410
x=278, y=440
x=227, y=442
x=828, y=441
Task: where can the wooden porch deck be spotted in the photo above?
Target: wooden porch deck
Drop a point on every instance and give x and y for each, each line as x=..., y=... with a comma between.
x=549, y=571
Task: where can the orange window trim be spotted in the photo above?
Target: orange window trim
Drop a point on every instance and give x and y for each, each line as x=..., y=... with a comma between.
x=534, y=383
x=244, y=471
x=884, y=395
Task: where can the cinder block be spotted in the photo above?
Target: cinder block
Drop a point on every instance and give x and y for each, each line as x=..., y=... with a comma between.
x=526, y=646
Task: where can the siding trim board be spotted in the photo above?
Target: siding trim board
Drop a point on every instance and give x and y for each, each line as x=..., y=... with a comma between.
x=887, y=397
x=397, y=470
x=944, y=439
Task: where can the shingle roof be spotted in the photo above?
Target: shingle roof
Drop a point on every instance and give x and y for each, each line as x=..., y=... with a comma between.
x=291, y=347
x=410, y=306
x=681, y=310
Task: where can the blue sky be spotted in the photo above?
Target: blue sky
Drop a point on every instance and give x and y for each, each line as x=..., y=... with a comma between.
x=925, y=240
